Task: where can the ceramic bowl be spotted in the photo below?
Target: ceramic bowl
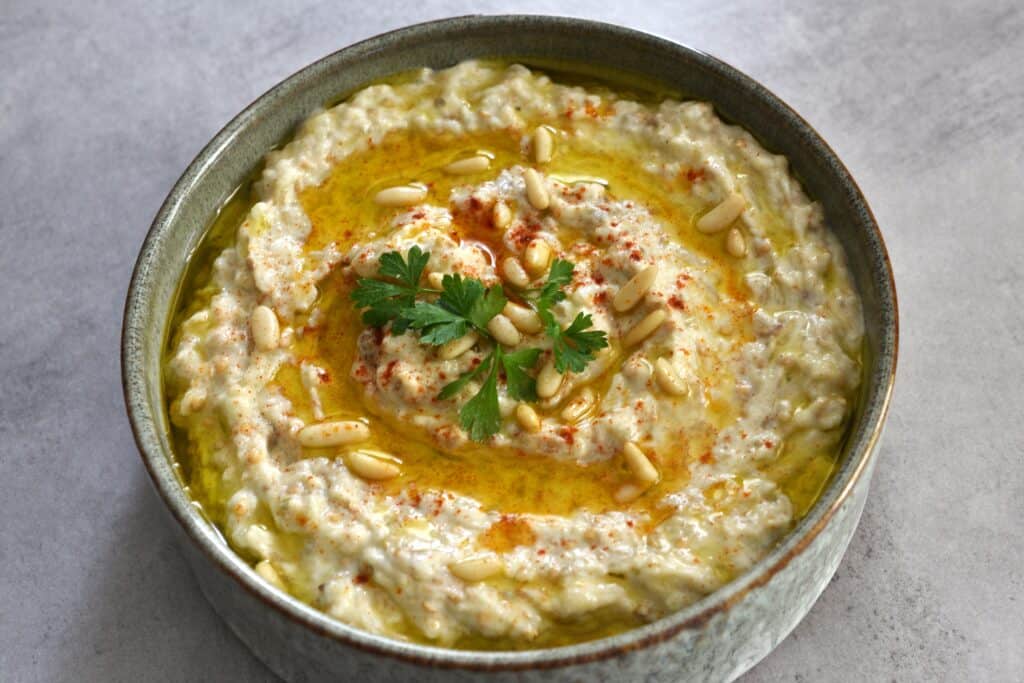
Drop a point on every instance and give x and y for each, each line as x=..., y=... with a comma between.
x=715, y=639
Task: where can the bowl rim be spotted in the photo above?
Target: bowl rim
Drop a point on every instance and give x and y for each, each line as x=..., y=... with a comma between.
x=207, y=539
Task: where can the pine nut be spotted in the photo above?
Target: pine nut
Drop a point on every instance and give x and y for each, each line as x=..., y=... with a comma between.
x=549, y=379
x=639, y=464
x=457, y=347
x=502, y=215
x=373, y=465
x=527, y=418
x=477, y=568
x=735, y=244
x=627, y=493
x=525, y=319
x=578, y=407
x=633, y=291
x=668, y=379
x=543, y=145
x=269, y=574
x=476, y=164
x=645, y=328
x=435, y=280
x=266, y=331
x=719, y=218
x=333, y=433
x=503, y=331
x=192, y=401
x=402, y=195
x=536, y=193
x=514, y=273
x=536, y=256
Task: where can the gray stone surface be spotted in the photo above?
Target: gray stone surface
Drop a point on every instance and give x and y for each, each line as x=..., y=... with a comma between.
x=102, y=105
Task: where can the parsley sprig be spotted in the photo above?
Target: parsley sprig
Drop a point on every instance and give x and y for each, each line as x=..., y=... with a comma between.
x=576, y=345
x=463, y=305
x=386, y=300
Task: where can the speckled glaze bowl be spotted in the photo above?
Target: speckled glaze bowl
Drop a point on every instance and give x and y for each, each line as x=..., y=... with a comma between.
x=717, y=638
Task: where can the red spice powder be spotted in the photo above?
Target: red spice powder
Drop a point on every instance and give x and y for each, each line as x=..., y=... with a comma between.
x=388, y=373
x=507, y=533
x=414, y=495
x=695, y=175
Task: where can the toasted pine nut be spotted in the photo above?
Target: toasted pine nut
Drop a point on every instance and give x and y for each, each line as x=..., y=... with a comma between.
x=543, y=145
x=525, y=319
x=645, y=328
x=627, y=493
x=527, y=418
x=633, y=291
x=266, y=331
x=719, y=218
x=735, y=244
x=373, y=465
x=536, y=256
x=668, y=379
x=548, y=380
x=501, y=215
x=503, y=331
x=639, y=464
x=192, y=400
x=578, y=407
x=468, y=166
x=477, y=568
x=536, y=193
x=457, y=347
x=435, y=280
x=333, y=433
x=269, y=574
x=402, y=195
x=514, y=273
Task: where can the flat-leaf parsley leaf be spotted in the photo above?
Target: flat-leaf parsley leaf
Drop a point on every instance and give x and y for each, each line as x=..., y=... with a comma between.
x=465, y=304
x=574, y=346
x=386, y=301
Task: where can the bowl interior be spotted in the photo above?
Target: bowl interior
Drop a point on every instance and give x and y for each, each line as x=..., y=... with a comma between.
x=233, y=155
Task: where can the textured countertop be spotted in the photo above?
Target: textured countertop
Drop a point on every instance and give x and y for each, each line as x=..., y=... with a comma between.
x=102, y=105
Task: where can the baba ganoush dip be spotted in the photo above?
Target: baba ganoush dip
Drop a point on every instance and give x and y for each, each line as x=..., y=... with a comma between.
x=322, y=440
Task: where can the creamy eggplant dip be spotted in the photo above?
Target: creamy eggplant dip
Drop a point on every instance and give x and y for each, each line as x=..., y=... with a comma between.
x=490, y=361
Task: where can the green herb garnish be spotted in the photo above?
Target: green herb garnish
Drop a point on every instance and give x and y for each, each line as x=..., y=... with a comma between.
x=574, y=346
x=463, y=305
x=386, y=301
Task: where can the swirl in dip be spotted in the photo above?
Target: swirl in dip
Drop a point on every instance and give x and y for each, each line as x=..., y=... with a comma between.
x=671, y=463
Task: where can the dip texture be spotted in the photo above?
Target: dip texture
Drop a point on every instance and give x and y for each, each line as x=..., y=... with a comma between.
x=674, y=461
